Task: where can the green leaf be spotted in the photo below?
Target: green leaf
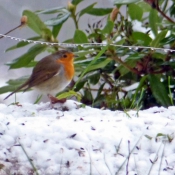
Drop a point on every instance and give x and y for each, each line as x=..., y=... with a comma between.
x=135, y=56
x=158, y=55
x=168, y=40
x=101, y=101
x=56, y=29
x=80, y=37
x=21, y=61
x=99, y=65
x=13, y=84
x=23, y=43
x=68, y=41
x=94, y=79
x=120, y=42
x=108, y=28
x=99, y=92
x=172, y=9
x=91, y=63
x=18, y=81
x=135, y=12
x=82, y=64
x=125, y=1
x=61, y=18
x=159, y=91
x=159, y=37
x=26, y=58
x=88, y=8
x=99, y=11
x=141, y=83
x=153, y=20
x=38, y=99
x=148, y=137
x=167, y=137
x=8, y=88
x=80, y=85
x=34, y=22
x=50, y=11
x=76, y=2
x=69, y=94
x=170, y=137
x=144, y=6
x=139, y=88
x=32, y=64
x=88, y=96
x=123, y=70
x=160, y=134
x=141, y=38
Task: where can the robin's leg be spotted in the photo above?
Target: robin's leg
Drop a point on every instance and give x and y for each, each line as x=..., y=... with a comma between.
x=54, y=100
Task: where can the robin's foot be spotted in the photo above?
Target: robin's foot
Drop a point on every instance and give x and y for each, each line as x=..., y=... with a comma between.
x=54, y=100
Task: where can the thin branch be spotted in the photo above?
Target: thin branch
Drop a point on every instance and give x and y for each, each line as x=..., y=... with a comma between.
x=131, y=150
x=23, y=23
x=12, y=30
x=125, y=65
x=162, y=13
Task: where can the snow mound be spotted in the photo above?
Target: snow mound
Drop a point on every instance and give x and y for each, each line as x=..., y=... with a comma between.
x=72, y=139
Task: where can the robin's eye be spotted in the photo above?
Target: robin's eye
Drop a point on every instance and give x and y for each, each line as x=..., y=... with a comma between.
x=64, y=56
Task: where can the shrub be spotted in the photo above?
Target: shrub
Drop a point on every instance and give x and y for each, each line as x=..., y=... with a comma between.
x=125, y=60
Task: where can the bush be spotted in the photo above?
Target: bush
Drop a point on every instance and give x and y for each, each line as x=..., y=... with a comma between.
x=127, y=61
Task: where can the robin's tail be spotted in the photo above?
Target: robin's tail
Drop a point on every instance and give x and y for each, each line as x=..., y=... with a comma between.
x=19, y=88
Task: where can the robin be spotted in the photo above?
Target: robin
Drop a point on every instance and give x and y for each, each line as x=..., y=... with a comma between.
x=51, y=74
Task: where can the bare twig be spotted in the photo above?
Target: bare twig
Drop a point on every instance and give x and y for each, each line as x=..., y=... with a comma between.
x=118, y=148
x=23, y=23
x=155, y=5
x=129, y=155
x=154, y=160
x=163, y=14
x=11, y=31
x=127, y=165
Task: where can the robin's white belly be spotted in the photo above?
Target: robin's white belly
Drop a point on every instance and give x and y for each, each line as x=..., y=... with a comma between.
x=53, y=85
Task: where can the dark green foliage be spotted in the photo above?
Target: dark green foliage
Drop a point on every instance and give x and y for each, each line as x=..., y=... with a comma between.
x=104, y=72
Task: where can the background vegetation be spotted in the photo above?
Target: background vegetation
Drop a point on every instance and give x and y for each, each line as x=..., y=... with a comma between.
x=104, y=72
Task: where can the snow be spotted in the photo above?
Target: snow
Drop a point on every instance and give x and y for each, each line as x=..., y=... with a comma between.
x=72, y=139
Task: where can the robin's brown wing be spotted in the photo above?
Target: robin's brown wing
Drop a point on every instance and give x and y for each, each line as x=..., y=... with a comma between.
x=44, y=70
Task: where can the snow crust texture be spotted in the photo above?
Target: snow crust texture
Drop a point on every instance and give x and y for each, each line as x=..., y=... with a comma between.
x=75, y=140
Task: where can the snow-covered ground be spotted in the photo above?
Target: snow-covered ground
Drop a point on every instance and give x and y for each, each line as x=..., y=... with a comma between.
x=75, y=140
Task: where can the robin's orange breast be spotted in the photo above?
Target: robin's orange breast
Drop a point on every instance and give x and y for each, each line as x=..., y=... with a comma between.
x=68, y=66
